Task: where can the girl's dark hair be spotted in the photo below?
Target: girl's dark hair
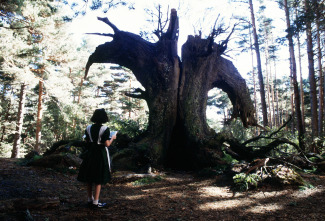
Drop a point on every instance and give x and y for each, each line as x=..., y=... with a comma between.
x=99, y=116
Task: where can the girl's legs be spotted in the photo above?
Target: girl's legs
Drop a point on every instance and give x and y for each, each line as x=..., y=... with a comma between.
x=90, y=192
x=97, y=192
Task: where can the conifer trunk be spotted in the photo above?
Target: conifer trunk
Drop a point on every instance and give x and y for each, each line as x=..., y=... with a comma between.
x=302, y=94
x=320, y=71
x=39, y=117
x=253, y=75
x=311, y=70
x=259, y=66
x=293, y=72
x=20, y=120
x=275, y=95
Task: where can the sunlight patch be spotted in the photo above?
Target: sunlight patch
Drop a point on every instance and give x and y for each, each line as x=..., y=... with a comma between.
x=156, y=189
x=263, y=195
x=265, y=208
x=306, y=193
x=165, y=192
x=226, y=204
x=179, y=179
x=215, y=192
x=136, y=197
x=176, y=195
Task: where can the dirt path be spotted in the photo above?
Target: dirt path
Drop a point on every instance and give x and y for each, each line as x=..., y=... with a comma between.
x=50, y=195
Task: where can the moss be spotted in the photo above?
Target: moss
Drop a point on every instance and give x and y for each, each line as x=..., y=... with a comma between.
x=287, y=175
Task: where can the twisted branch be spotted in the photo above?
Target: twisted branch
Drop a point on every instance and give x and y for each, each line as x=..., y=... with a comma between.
x=106, y=21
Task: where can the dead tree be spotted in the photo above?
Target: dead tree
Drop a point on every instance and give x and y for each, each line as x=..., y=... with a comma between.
x=176, y=92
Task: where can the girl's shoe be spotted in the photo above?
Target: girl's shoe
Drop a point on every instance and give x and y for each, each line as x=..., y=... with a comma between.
x=99, y=205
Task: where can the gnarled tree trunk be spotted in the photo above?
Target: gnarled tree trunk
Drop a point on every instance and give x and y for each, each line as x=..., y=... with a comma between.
x=176, y=92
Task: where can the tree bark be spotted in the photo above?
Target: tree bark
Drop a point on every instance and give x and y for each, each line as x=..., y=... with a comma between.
x=320, y=70
x=267, y=87
x=302, y=94
x=292, y=110
x=275, y=95
x=259, y=65
x=38, y=133
x=268, y=75
x=275, y=98
x=176, y=92
x=311, y=70
x=157, y=67
x=293, y=71
x=20, y=120
x=202, y=71
x=272, y=85
x=253, y=75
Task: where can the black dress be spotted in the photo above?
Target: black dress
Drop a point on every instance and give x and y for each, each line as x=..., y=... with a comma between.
x=95, y=167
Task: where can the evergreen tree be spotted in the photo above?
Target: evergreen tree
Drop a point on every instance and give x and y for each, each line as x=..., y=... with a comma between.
x=311, y=68
x=293, y=74
x=259, y=64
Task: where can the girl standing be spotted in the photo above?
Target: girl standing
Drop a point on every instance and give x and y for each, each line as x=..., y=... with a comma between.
x=95, y=167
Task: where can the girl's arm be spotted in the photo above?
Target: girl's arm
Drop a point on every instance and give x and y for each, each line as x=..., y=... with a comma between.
x=109, y=142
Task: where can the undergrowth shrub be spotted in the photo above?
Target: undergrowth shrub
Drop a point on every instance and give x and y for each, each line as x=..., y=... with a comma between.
x=147, y=180
x=244, y=181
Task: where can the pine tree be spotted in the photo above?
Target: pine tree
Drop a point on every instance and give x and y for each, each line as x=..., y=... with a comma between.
x=293, y=74
x=19, y=125
x=311, y=68
x=259, y=64
x=302, y=94
x=319, y=8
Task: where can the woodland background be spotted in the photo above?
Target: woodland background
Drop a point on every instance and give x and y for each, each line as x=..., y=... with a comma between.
x=45, y=99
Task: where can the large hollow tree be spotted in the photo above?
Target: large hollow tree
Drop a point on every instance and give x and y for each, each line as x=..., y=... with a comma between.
x=176, y=92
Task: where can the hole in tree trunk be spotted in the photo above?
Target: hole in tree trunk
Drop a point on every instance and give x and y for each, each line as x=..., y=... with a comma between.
x=112, y=88
x=218, y=108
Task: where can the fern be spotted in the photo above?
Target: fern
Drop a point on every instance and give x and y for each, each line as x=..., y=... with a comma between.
x=245, y=181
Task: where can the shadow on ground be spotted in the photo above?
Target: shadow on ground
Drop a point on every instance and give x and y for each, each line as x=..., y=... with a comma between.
x=31, y=193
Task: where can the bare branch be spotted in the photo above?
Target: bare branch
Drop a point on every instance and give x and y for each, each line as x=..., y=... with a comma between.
x=163, y=25
x=225, y=42
x=161, y=22
x=102, y=34
x=253, y=139
x=215, y=32
x=106, y=21
x=138, y=96
x=285, y=124
x=267, y=137
x=137, y=93
x=159, y=30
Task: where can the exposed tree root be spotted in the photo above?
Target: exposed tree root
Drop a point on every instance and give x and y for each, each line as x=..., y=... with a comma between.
x=245, y=151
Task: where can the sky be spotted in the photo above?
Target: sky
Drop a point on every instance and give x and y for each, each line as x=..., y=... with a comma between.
x=190, y=14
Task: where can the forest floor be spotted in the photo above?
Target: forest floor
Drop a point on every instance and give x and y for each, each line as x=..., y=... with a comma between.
x=33, y=193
